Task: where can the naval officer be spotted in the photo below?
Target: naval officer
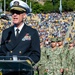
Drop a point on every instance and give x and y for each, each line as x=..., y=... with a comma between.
x=20, y=39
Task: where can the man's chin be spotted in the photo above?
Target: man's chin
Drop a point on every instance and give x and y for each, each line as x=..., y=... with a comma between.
x=15, y=22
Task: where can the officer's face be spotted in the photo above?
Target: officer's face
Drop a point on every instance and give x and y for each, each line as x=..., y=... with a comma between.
x=17, y=17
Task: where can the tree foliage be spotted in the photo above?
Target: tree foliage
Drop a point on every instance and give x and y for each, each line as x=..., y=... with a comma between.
x=49, y=6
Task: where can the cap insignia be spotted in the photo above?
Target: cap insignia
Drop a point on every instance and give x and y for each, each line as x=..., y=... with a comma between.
x=16, y=3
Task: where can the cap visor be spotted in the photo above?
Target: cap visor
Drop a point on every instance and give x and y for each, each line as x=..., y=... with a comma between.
x=17, y=8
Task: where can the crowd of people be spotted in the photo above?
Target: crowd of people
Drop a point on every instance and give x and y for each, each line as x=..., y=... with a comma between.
x=60, y=29
x=57, y=42
x=54, y=25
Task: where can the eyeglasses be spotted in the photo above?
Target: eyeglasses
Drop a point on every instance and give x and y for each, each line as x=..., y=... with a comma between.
x=17, y=12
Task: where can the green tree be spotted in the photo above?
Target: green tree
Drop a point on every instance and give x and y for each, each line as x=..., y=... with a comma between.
x=70, y=5
x=36, y=7
x=48, y=7
x=64, y=5
x=7, y=4
x=67, y=5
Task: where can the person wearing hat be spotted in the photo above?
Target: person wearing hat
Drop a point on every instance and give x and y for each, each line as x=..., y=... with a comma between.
x=59, y=41
x=70, y=57
x=20, y=39
x=50, y=53
x=60, y=49
x=56, y=55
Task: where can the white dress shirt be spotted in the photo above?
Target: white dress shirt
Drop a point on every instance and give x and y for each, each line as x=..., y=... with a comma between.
x=20, y=28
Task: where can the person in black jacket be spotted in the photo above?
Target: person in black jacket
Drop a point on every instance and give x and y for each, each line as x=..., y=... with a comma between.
x=20, y=39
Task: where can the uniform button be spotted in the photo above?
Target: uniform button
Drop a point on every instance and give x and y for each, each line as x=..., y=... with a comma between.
x=11, y=51
x=20, y=52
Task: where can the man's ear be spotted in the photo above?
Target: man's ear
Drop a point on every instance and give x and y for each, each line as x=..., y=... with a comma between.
x=24, y=15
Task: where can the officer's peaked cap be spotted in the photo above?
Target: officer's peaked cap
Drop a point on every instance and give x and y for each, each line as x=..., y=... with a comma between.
x=19, y=5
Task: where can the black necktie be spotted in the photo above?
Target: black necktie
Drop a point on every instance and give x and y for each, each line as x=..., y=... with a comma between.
x=17, y=32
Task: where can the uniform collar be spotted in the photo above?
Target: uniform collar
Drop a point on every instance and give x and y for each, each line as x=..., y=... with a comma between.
x=20, y=28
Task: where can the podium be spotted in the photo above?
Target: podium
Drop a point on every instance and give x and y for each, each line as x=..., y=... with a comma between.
x=14, y=63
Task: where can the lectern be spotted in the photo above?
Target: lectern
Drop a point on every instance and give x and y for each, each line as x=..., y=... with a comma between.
x=14, y=63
